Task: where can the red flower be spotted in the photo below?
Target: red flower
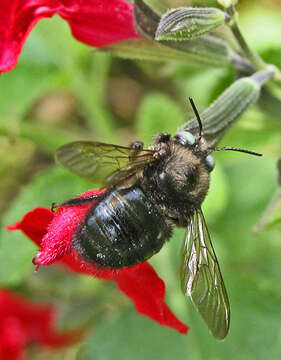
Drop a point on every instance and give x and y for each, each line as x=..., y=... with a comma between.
x=94, y=22
x=54, y=231
x=23, y=322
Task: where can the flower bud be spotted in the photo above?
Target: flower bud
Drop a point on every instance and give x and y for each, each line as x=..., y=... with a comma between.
x=187, y=23
x=228, y=107
x=208, y=50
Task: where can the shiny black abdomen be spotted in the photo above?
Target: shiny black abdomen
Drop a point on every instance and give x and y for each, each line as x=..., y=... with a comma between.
x=125, y=228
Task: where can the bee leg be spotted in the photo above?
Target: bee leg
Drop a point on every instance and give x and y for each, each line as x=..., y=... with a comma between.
x=162, y=138
x=79, y=201
x=137, y=147
x=161, y=153
x=53, y=207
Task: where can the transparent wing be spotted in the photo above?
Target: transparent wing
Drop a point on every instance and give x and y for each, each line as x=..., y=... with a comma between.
x=201, y=277
x=101, y=162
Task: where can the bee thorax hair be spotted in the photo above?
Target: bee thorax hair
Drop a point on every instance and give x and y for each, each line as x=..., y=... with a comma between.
x=178, y=182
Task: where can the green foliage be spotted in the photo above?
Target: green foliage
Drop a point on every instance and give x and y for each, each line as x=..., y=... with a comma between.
x=241, y=189
x=113, y=337
x=157, y=113
x=145, y=49
x=22, y=84
x=272, y=215
x=54, y=185
x=206, y=50
x=218, y=194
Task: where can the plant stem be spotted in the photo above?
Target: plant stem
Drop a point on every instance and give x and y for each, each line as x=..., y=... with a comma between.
x=251, y=55
x=262, y=76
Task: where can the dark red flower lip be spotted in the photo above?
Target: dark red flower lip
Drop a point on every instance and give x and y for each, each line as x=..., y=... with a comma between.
x=53, y=232
x=93, y=22
x=23, y=322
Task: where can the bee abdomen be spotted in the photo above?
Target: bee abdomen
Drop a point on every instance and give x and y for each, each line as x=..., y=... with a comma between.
x=124, y=229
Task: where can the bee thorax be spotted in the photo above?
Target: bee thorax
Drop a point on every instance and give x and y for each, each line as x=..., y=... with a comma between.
x=178, y=183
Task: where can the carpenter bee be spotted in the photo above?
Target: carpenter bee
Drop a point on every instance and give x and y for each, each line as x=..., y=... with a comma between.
x=148, y=192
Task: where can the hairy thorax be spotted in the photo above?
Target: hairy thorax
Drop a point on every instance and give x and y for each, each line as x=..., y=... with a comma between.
x=178, y=182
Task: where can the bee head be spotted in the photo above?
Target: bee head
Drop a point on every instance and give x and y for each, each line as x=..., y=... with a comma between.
x=198, y=146
x=183, y=175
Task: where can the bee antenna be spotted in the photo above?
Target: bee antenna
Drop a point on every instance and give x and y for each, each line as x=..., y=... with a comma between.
x=197, y=115
x=237, y=149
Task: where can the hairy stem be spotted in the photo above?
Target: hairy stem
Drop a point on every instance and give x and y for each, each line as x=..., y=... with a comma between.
x=255, y=59
x=251, y=55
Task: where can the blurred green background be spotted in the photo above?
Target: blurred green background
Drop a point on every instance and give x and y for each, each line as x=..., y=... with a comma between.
x=63, y=91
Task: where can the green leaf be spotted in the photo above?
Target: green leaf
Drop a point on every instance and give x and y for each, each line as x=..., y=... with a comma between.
x=207, y=49
x=130, y=336
x=186, y=23
x=16, y=250
x=157, y=113
x=145, y=49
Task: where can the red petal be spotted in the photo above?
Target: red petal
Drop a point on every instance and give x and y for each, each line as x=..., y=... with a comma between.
x=57, y=241
x=100, y=23
x=140, y=283
x=23, y=321
x=144, y=287
x=12, y=339
x=34, y=224
x=94, y=22
x=17, y=19
x=53, y=232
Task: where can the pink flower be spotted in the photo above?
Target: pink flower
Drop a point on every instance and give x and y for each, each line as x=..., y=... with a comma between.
x=23, y=322
x=53, y=232
x=93, y=22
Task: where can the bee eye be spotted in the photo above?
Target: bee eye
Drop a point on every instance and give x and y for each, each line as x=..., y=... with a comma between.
x=210, y=161
x=185, y=138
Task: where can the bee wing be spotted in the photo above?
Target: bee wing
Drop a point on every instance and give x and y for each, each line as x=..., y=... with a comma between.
x=100, y=162
x=201, y=277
